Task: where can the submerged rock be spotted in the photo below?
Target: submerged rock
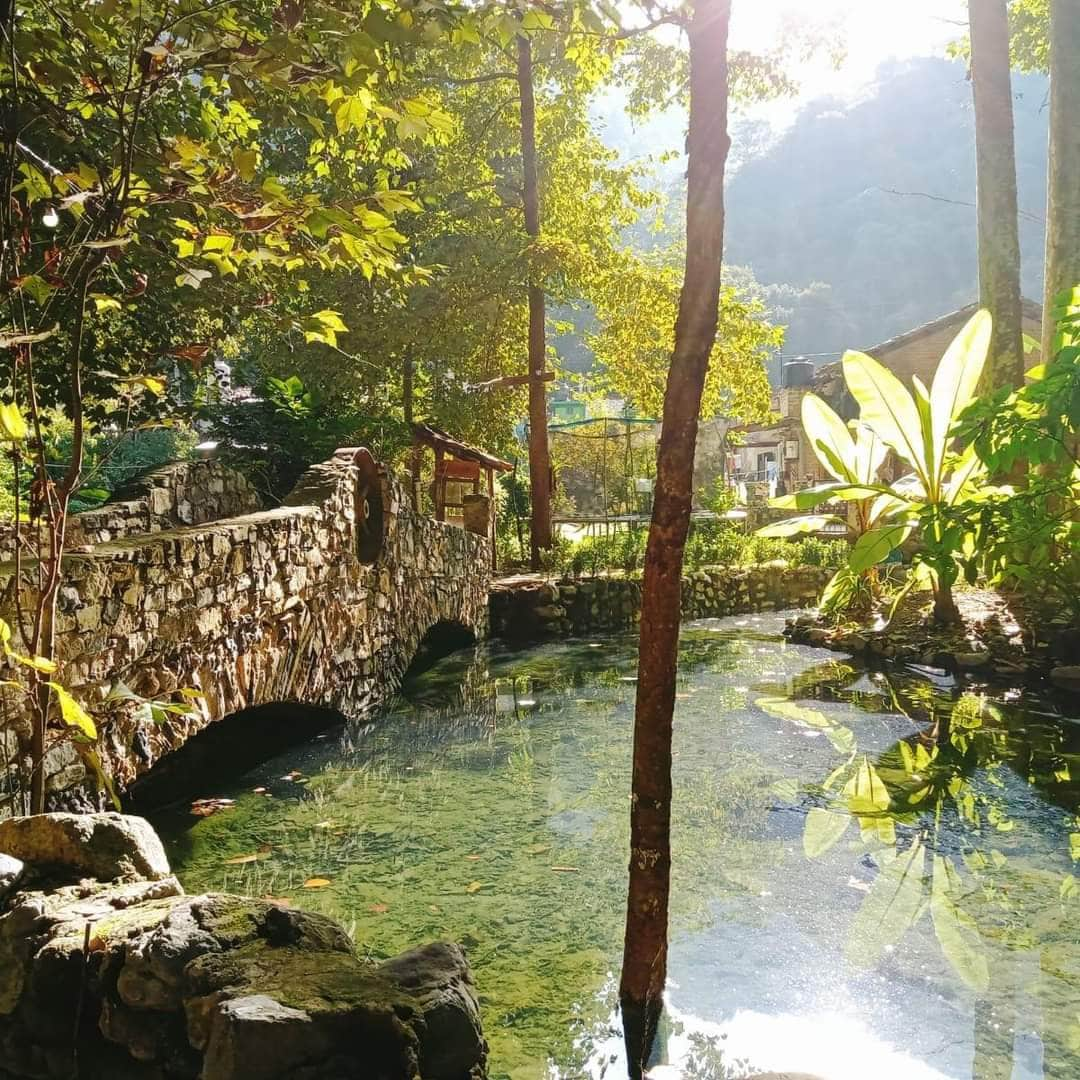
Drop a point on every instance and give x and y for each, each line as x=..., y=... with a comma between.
x=102, y=846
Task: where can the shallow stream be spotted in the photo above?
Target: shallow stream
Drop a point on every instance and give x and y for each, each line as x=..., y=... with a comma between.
x=873, y=876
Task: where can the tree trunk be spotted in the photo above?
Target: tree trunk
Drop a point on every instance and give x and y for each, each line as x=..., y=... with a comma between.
x=999, y=222
x=644, y=970
x=539, y=458
x=1063, y=196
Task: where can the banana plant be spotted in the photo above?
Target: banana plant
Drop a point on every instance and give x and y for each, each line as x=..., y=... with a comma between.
x=918, y=426
x=853, y=456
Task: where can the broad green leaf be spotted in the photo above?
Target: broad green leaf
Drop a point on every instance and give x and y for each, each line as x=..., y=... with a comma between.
x=870, y=454
x=73, y=714
x=866, y=792
x=842, y=739
x=810, y=497
x=955, y=930
x=36, y=663
x=823, y=830
x=795, y=526
x=886, y=406
x=827, y=432
x=957, y=379
x=12, y=424
x=892, y=905
x=876, y=545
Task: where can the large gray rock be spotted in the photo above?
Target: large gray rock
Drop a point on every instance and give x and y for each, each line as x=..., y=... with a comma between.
x=221, y=988
x=102, y=846
x=437, y=977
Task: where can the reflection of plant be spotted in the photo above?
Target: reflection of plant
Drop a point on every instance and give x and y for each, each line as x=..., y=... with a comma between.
x=909, y=805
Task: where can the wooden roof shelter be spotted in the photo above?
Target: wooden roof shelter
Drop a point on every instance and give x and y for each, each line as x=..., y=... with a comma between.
x=458, y=464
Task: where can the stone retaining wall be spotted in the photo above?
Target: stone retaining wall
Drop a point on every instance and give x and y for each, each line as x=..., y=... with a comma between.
x=530, y=608
x=269, y=607
x=183, y=493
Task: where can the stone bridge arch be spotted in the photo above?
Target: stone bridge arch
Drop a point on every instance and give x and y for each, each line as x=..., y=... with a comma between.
x=265, y=608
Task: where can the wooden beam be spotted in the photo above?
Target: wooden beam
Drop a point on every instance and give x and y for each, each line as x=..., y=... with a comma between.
x=505, y=381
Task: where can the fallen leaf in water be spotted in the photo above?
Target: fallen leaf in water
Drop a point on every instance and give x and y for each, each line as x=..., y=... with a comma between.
x=206, y=807
x=473, y=858
x=325, y=825
x=259, y=790
x=239, y=860
x=537, y=849
x=380, y=909
x=475, y=886
x=435, y=909
x=566, y=869
x=293, y=775
x=316, y=883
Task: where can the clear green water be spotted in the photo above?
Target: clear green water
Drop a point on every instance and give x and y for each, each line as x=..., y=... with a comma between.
x=872, y=876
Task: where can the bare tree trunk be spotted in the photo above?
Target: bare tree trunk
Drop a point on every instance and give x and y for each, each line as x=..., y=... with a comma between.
x=539, y=457
x=999, y=221
x=1063, y=196
x=645, y=951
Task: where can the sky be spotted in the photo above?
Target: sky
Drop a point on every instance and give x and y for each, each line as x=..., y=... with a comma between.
x=872, y=30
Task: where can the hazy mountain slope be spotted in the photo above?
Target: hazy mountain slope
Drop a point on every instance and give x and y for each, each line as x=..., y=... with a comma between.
x=814, y=207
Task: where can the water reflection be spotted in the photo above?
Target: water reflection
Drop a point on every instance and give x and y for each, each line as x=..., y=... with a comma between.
x=873, y=876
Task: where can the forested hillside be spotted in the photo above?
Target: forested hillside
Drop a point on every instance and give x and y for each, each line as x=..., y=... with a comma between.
x=813, y=213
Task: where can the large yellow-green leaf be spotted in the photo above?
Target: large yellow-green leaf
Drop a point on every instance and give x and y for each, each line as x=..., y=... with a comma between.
x=893, y=904
x=810, y=523
x=877, y=545
x=866, y=792
x=810, y=497
x=12, y=424
x=956, y=933
x=823, y=830
x=73, y=714
x=870, y=453
x=831, y=440
x=957, y=379
x=886, y=406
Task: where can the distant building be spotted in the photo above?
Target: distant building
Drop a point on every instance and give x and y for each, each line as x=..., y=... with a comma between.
x=781, y=451
x=566, y=412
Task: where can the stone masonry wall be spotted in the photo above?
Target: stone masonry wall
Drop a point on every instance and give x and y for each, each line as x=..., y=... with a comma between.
x=269, y=607
x=183, y=493
x=530, y=609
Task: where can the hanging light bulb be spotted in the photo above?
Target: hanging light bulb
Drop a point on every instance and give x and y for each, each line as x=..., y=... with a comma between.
x=50, y=219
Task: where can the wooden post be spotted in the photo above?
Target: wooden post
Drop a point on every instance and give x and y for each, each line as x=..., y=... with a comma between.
x=440, y=486
x=494, y=516
x=407, y=413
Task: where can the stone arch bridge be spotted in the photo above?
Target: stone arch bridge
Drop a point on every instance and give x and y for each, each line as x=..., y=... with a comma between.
x=260, y=607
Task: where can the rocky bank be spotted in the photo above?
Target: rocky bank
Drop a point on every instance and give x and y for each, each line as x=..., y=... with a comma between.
x=107, y=970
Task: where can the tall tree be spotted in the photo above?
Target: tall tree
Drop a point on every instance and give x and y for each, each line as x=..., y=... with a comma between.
x=539, y=457
x=998, y=210
x=1063, y=194
x=645, y=951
